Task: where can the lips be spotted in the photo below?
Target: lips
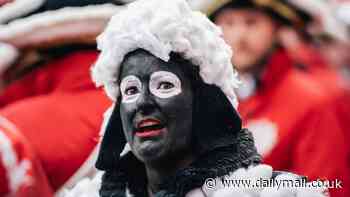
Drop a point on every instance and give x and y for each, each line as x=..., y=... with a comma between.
x=149, y=128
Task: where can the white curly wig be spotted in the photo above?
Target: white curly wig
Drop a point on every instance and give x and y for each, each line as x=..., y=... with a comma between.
x=161, y=27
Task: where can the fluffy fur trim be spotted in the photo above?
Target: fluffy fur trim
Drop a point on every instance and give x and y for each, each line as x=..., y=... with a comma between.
x=90, y=187
x=8, y=54
x=16, y=171
x=58, y=27
x=18, y=8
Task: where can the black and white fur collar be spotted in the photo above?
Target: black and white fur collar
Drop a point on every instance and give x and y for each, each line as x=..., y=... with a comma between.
x=131, y=176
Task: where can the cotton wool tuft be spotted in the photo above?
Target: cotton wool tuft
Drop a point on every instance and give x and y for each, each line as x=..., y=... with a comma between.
x=161, y=27
x=90, y=187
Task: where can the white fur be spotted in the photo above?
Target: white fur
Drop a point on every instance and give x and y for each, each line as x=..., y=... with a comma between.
x=16, y=171
x=71, y=23
x=89, y=187
x=85, y=188
x=161, y=27
x=265, y=172
x=18, y=8
x=265, y=133
x=8, y=54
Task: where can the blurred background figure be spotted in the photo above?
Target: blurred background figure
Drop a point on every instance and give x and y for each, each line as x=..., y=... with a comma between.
x=341, y=10
x=320, y=50
x=336, y=53
x=298, y=116
x=46, y=93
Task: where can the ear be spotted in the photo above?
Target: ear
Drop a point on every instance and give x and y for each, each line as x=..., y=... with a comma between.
x=215, y=121
x=112, y=144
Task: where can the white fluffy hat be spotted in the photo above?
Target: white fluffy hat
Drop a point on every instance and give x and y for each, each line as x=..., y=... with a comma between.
x=161, y=27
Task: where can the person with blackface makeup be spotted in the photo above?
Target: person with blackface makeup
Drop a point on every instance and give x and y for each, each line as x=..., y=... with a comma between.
x=164, y=111
x=169, y=72
x=160, y=116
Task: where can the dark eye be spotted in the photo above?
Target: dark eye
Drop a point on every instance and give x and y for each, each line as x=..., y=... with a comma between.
x=250, y=21
x=165, y=85
x=131, y=90
x=229, y=22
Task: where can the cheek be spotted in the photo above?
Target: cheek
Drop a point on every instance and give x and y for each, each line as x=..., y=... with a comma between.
x=130, y=99
x=234, y=37
x=261, y=38
x=126, y=112
x=179, y=114
x=178, y=104
x=179, y=124
x=228, y=33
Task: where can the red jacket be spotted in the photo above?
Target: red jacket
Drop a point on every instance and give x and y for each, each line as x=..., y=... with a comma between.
x=327, y=76
x=295, y=125
x=334, y=84
x=21, y=174
x=59, y=111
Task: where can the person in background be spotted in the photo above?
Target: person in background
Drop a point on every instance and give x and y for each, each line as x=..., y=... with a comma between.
x=336, y=53
x=50, y=110
x=322, y=54
x=292, y=116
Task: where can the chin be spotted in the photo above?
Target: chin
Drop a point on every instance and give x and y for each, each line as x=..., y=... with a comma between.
x=150, y=151
x=243, y=66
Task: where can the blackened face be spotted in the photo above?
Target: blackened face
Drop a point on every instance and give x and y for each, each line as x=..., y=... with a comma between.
x=156, y=107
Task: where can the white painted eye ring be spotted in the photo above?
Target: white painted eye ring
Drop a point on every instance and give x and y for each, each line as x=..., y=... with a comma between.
x=164, y=76
x=128, y=82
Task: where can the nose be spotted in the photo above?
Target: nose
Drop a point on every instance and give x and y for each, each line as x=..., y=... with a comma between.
x=146, y=103
x=238, y=33
x=234, y=34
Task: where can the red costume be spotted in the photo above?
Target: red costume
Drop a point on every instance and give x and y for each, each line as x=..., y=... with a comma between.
x=58, y=111
x=295, y=124
x=19, y=166
x=326, y=75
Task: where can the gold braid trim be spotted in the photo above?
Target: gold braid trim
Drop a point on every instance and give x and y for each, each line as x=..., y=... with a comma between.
x=281, y=9
x=277, y=6
x=217, y=4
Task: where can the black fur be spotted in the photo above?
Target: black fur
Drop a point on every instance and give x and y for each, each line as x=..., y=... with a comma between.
x=241, y=153
x=112, y=144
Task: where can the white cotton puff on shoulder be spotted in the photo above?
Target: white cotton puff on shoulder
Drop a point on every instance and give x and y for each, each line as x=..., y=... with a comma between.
x=255, y=181
x=162, y=27
x=8, y=55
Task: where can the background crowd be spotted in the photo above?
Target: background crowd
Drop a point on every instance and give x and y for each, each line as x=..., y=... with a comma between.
x=292, y=56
